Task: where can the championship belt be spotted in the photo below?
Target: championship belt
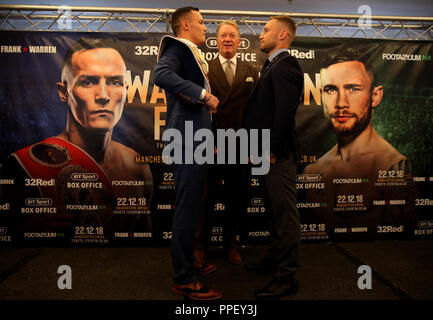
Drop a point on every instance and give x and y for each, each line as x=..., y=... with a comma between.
x=65, y=173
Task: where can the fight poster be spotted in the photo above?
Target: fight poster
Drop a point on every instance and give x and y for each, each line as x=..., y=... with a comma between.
x=364, y=172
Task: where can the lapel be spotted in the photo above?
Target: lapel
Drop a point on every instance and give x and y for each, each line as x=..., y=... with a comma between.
x=278, y=57
x=221, y=79
x=220, y=75
x=239, y=75
x=167, y=38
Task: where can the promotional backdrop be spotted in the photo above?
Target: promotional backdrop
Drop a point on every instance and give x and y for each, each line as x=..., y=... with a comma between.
x=74, y=204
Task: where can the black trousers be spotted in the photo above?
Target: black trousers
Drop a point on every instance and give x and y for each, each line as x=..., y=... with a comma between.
x=189, y=182
x=284, y=226
x=235, y=186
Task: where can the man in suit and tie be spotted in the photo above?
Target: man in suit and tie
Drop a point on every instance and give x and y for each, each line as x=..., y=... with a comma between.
x=181, y=72
x=232, y=81
x=273, y=106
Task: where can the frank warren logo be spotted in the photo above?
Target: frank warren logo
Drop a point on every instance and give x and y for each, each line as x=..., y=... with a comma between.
x=27, y=49
x=165, y=207
x=405, y=57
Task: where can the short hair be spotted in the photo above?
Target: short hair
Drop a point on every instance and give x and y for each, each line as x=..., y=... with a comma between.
x=289, y=23
x=351, y=54
x=230, y=23
x=178, y=15
x=85, y=44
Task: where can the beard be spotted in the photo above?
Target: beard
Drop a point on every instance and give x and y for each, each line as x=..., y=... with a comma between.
x=359, y=126
x=268, y=47
x=264, y=49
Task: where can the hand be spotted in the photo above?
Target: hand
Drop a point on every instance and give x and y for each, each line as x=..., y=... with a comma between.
x=212, y=102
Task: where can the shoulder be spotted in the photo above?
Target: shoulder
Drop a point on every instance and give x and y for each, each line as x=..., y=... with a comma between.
x=13, y=167
x=286, y=60
x=173, y=46
x=247, y=65
x=323, y=162
x=170, y=42
x=248, y=68
x=127, y=156
x=214, y=63
x=170, y=45
x=123, y=154
x=287, y=68
x=244, y=63
x=388, y=156
x=10, y=164
x=120, y=150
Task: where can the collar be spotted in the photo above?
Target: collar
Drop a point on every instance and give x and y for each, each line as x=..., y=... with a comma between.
x=223, y=60
x=200, y=53
x=188, y=42
x=276, y=53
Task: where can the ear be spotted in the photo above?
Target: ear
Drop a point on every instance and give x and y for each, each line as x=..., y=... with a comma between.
x=376, y=96
x=283, y=34
x=185, y=24
x=63, y=92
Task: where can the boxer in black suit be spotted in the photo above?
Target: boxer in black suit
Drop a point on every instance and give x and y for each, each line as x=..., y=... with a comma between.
x=273, y=106
x=181, y=72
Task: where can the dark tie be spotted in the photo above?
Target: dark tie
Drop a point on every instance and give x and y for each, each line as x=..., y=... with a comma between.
x=265, y=65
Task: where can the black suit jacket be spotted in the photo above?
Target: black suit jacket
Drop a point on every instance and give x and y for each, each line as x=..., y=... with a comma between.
x=274, y=102
x=233, y=100
x=178, y=72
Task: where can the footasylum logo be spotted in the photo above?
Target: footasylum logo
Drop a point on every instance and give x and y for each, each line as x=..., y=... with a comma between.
x=405, y=57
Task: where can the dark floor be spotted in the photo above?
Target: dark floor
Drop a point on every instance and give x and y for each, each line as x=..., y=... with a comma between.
x=402, y=270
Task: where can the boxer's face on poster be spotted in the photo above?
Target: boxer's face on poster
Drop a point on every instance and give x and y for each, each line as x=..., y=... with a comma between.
x=228, y=41
x=346, y=95
x=97, y=93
